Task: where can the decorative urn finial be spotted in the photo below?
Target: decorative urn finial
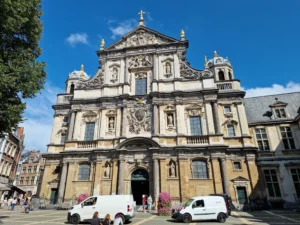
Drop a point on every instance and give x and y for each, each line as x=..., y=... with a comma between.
x=82, y=71
x=102, y=44
x=215, y=54
x=182, y=35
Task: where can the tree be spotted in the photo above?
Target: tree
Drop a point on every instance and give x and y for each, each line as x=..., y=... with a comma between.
x=22, y=76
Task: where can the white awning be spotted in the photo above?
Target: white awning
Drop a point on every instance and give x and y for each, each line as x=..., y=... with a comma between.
x=4, y=187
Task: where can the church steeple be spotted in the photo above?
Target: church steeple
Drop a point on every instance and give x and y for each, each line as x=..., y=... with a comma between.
x=141, y=21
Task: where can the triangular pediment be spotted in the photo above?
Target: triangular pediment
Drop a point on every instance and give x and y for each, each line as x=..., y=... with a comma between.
x=141, y=36
x=239, y=178
x=278, y=103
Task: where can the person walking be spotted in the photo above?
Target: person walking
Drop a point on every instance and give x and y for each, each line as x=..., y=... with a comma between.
x=118, y=220
x=9, y=203
x=96, y=220
x=107, y=220
x=13, y=203
x=144, y=202
x=25, y=205
x=22, y=201
x=149, y=201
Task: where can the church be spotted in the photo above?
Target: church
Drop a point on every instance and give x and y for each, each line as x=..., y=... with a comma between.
x=148, y=122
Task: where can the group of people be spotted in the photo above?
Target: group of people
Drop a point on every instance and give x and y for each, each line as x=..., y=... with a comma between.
x=22, y=201
x=147, y=202
x=107, y=220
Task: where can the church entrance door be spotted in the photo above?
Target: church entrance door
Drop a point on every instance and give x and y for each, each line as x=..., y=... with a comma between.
x=139, y=185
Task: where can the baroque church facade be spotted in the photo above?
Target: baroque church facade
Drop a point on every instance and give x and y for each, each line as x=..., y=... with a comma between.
x=147, y=122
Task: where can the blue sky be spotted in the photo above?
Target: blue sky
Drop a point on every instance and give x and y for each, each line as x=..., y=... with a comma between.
x=261, y=39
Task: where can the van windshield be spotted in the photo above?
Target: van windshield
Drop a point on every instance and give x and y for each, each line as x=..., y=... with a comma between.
x=188, y=202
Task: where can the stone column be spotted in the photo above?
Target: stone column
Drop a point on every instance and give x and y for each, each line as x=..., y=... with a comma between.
x=225, y=176
x=156, y=181
x=124, y=115
x=62, y=183
x=210, y=119
x=121, y=177
x=71, y=126
x=242, y=119
x=155, y=119
x=216, y=118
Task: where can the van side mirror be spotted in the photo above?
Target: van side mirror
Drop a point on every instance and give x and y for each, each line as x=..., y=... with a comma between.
x=193, y=206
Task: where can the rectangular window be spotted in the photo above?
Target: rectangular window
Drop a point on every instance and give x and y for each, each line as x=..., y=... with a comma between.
x=22, y=180
x=29, y=169
x=34, y=169
x=287, y=138
x=231, y=131
x=237, y=165
x=227, y=109
x=66, y=119
x=84, y=172
x=280, y=113
x=262, y=139
x=272, y=183
x=62, y=138
x=27, y=180
x=296, y=179
x=24, y=169
x=195, y=125
x=199, y=169
x=32, y=181
x=141, y=86
x=41, y=168
x=89, y=131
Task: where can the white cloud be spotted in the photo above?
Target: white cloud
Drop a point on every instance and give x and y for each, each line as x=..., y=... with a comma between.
x=77, y=38
x=148, y=16
x=122, y=28
x=274, y=89
x=38, y=118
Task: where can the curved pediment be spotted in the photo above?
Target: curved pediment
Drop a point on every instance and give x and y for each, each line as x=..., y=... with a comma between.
x=138, y=143
x=96, y=82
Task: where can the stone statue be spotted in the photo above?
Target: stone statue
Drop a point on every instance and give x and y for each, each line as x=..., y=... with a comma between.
x=114, y=75
x=111, y=123
x=170, y=120
x=172, y=169
x=107, y=170
x=168, y=68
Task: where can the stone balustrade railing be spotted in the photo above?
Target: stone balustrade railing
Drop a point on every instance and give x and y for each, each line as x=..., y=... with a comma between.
x=229, y=85
x=196, y=140
x=87, y=144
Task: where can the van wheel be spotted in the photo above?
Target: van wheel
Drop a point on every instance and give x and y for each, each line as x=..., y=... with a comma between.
x=75, y=219
x=221, y=218
x=122, y=217
x=187, y=218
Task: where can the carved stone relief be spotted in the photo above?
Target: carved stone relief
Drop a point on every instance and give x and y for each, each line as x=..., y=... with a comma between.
x=167, y=67
x=89, y=117
x=107, y=170
x=96, y=82
x=194, y=110
x=114, y=72
x=111, y=116
x=139, y=118
x=140, y=61
x=188, y=72
x=170, y=117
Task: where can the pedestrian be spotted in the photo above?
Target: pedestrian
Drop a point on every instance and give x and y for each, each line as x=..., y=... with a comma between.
x=96, y=220
x=25, y=205
x=118, y=220
x=149, y=201
x=107, y=220
x=22, y=201
x=9, y=202
x=144, y=202
x=4, y=202
x=13, y=203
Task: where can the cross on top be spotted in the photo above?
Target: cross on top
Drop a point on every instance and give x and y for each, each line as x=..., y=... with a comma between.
x=141, y=15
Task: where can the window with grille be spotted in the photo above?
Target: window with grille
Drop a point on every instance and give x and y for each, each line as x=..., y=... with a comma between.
x=32, y=181
x=89, y=131
x=141, y=86
x=195, y=125
x=199, y=169
x=230, y=130
x=280, y=113
x=296, y=179
x=84, y=172
x=272, y=183
x=62, y=138
x=287, y=138
x=227, y=109
x=262, y=139
x=237, y=165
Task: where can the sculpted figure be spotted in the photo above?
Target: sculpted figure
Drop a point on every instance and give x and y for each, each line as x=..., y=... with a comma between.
x=111, y=123
x=172, y=169
x=107, y=170
x=114, y=74
x=170, y=120
x=168, y=68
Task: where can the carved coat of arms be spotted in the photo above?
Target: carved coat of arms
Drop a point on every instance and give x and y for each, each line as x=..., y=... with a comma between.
x=139, y=118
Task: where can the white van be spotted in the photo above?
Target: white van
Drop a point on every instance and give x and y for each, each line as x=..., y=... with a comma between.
x=202, y=208
x=103, y=204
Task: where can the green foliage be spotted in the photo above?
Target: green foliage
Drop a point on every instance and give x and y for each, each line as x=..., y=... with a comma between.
x=21, y=75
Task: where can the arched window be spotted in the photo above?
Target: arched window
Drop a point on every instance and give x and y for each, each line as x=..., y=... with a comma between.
x=230, y=130
x=221, y=75
x=84, y=172
x=199, y=169
x=229, y=75
x=72, y=89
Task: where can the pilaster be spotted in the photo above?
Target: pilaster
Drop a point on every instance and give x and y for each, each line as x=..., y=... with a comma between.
x=216, y=118
x=225, y=176
x=71, y=126
x=210, y=119
x=62, y=183
x=121, y=177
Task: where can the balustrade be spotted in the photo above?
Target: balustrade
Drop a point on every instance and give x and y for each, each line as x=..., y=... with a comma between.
x=194, y=140
x=87, y=144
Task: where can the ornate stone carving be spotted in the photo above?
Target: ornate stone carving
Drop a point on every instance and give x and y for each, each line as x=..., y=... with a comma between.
x=111, y=118
x=188, y=72
x=138, y=145
x=140, y=61
x=89, y=117
x=114, y=72
x=96, y=82
x=107, y=170
x=167, y=64
x=139, y=118
x=141, y=75
x=172, y=169
x=170, y=117
x=194, y=110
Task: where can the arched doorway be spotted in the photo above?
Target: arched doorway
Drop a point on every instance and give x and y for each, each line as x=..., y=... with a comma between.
x=139, y=185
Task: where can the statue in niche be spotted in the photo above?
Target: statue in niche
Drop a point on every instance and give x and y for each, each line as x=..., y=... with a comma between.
x=107, y=170
x=168, y=68
x=172, y=169
x=111, y=124
x=114, y=75
x=170, y=120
